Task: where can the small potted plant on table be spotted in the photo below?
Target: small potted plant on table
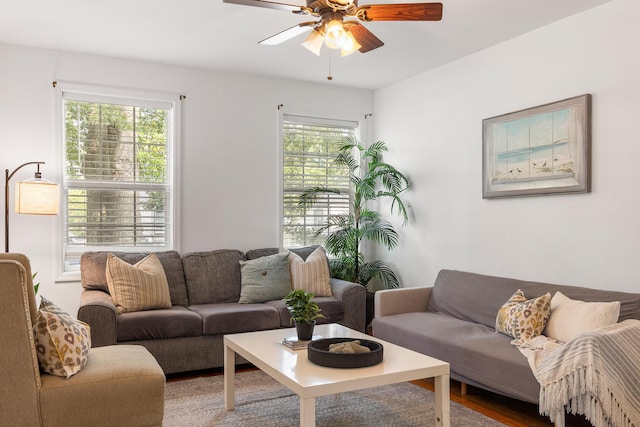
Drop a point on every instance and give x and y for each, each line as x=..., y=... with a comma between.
x=304, y=312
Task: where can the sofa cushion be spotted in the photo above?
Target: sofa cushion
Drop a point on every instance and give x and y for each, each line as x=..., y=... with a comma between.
x=477, y=297
x=477, y=355
x=231, y=318
x=62, y=342
x=142, y=286
x=570, y=317
x=312, y=274
x=213, y=277
x=521, y=318
x=264, y=279
x=259, y=253
x=121, y=385
x=93, y=271
x=331, y=309
x=303, y=252
x=172, y=322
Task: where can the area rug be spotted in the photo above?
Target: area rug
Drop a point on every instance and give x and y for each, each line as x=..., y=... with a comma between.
x=261, y=401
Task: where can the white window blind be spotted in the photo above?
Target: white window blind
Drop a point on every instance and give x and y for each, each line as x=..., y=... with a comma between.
x=118, y=187
x=309, y=147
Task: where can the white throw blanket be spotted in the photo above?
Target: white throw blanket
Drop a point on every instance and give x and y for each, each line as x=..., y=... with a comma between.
x=596, y=374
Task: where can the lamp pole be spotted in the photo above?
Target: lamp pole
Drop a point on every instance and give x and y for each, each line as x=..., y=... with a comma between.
x=7, y=177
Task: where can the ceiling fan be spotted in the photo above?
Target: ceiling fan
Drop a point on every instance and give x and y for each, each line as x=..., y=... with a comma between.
x=338, y=33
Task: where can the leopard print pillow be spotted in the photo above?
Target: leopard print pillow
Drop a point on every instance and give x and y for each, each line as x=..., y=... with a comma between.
x=524, y=319
x=62, y=342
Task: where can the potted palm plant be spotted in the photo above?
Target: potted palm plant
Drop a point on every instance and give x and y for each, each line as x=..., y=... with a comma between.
x=372, y=180
x=304, y=312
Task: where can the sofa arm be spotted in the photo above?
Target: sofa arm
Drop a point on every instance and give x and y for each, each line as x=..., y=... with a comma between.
x=353, y=298
x=99, y=312
x=403, y=300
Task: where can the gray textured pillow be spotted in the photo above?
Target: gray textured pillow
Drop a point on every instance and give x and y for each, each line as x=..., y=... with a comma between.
x=265, y=279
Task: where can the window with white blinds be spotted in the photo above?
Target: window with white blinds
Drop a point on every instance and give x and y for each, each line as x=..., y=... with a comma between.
x=309, y=148
x=118, y=192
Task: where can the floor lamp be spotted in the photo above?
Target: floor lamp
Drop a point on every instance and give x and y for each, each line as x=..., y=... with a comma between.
x=35, y=196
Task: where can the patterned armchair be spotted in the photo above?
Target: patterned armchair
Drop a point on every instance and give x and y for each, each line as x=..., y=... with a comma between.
x=119, y=385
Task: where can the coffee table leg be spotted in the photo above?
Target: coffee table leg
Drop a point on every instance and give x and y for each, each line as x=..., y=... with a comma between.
x=229, y=378
x=308, y=412
x=441, y=384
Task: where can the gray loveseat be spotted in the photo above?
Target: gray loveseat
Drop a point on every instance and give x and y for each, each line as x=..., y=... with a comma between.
x=455, y=321
x=205, y=289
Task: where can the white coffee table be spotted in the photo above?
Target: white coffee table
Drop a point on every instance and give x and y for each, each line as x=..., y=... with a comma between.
x=292, y=369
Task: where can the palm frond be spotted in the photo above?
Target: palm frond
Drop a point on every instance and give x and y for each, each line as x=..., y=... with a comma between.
x=348, y=143
x=310, y=196
x=381, y=270
x=381, y=231
x=396, y=203
x=346, y=159
x=393, y=180
x=375, y=150
x=368, y=215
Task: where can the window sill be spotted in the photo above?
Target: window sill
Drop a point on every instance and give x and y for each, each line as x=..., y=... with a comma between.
x=71, y=276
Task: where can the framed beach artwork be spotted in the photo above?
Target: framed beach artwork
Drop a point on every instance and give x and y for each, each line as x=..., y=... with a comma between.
x=540, y=150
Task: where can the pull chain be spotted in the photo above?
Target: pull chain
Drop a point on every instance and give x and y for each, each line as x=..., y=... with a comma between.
x=329, y=76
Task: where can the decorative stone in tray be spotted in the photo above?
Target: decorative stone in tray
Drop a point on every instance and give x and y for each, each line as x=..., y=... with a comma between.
x=318, y=352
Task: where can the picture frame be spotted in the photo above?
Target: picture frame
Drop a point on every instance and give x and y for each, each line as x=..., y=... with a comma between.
x=538, y=151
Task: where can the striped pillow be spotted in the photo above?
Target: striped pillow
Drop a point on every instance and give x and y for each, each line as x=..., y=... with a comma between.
x=142, y=286
x=311, y=275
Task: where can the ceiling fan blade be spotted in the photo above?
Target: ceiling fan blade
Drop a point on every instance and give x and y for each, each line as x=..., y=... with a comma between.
x=400, y=12
x=287, y=34
x=267, y=4
x=366, y=38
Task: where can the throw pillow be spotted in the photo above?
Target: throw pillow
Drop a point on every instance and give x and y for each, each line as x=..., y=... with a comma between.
x=312, y=275
x=265, y=279
x=569, y=318
x=62, y=342
x=142, y=286
x=522, y=318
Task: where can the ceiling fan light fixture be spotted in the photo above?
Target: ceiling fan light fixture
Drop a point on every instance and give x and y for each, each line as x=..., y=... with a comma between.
x=314, y=42
x=350, y=45
x=335, y=34
x=349, y=35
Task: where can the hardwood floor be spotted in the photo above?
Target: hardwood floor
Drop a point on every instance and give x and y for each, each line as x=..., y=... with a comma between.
x=508, y=411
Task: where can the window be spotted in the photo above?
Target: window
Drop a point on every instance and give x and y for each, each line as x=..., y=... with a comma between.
x=309, y=147
x=119, y=193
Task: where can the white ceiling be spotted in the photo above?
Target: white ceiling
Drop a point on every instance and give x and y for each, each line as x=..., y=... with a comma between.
x=215, y=35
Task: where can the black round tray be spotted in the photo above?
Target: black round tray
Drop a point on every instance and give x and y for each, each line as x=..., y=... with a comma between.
x=318, y=353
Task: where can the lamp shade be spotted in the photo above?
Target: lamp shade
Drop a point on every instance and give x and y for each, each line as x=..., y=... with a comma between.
x=314, y=42
x=335, y=35
x=37, y=197
x=350, y=45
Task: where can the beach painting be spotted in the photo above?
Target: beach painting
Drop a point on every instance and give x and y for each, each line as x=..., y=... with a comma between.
x=540, y=150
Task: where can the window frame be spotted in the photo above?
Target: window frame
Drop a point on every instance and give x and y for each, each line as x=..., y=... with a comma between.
x=313, y=118
x=113, y=95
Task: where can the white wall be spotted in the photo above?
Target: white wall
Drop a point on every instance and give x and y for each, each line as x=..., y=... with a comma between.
x=433, y=125
x=229, y=145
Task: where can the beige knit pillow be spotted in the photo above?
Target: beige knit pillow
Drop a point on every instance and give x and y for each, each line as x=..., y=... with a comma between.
x=138, y=287
x=569, y=318
x=311, y=275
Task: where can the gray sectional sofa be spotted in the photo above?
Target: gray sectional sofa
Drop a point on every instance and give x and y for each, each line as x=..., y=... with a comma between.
x=455, y=321
x=205, y=289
